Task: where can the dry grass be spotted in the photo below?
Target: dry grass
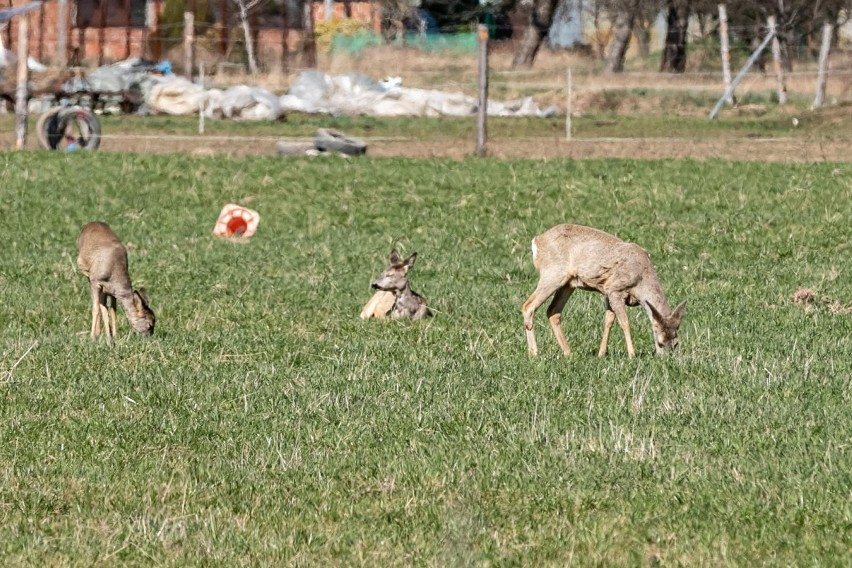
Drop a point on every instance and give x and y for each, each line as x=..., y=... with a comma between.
x=810, y=299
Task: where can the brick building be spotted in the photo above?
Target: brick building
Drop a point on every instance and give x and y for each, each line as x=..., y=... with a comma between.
x=111, y=30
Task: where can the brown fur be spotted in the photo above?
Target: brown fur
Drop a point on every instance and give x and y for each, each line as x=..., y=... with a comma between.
x=570, y=257
x=406, y=303
x=103, y=259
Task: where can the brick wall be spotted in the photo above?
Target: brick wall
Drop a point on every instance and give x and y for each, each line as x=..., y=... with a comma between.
x=111, y=44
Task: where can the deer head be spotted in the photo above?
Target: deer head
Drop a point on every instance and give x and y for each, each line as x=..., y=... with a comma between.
x=394, y=278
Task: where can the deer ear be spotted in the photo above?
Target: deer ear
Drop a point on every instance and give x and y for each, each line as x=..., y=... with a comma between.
x=678, y=313
x=409, y=262
x=394, y=257
x=654, y=312
x=143, y=294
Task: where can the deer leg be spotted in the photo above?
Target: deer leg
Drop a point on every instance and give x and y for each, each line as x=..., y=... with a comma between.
x=617, y=306
x=546, y=287
x=96, y=302
x=554, y=316
x=105, y=314
x=609, y=319
x=111, y=301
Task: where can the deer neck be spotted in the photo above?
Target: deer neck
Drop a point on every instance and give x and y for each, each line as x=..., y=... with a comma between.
x=404, y=292
x=650, y=292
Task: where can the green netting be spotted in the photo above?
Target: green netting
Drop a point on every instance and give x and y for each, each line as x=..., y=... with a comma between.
x=442, y=42
x=355, y=43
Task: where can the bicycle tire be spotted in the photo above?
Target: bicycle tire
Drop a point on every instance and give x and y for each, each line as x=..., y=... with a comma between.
x=87, y=122
x=329, y=140
x=45, y=125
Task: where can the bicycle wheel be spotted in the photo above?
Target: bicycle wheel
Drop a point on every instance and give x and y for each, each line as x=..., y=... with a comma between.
x=46, y=128
x=77, y=128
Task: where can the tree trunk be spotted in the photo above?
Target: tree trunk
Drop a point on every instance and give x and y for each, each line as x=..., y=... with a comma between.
x=541, y=17
x=623, y=26
x=642, y=33
x=674, y=51
x=309, y=41
x=244, y=22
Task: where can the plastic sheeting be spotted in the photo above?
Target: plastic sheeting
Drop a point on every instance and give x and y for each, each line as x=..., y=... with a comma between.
x=356, y=94
x=176, y=95
x=312, y=92
x=170, y=94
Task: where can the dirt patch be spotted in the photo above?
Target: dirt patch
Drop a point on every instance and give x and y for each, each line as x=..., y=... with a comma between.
x=740, y=149
x=783, y=150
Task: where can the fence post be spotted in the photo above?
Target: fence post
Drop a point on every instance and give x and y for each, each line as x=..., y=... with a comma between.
x=568, y=106
x=102, y=32
x=188, y=40
x=285, y=34
x=726, y=51
x=309, y=40
x=822, y=77
x=201, y=104
x=21, y=88
x=752, y=58
x=62, y=33
x=482, y=109
x=776, y=60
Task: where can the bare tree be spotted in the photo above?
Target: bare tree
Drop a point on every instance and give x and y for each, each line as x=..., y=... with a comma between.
x=245, y=8
x=624, y=16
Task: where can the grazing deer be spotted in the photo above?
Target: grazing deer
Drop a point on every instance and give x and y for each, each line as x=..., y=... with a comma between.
x=103, y=259
x=572, y=256
x=395, y=296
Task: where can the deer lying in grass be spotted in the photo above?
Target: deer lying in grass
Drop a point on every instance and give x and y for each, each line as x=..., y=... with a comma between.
x=569, y=257
x=103, y=259
x=394, y=296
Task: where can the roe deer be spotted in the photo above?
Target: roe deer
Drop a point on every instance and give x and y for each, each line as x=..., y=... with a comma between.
x=103, y=259
x=572, y=256
x=395, y=296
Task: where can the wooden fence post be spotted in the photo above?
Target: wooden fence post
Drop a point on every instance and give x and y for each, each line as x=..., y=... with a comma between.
x=285, y=36
x=62, y=33
x=188, y=40
x=776, y=60
x=569, y=106
x=309, y=41
x=23, y=75
x=482, y=108
x=102, y=31
x=822, y=77
x=726, y=51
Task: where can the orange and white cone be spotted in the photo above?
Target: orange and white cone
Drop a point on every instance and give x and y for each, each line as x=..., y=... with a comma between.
x=235, y=220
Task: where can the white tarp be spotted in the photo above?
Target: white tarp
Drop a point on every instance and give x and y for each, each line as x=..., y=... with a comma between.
x=312, y=92
x=249, y=103
x=176, y=95
x=355, y=94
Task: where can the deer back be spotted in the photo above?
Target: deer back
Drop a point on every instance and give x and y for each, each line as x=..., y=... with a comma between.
x=102, y=257
x=591, y=259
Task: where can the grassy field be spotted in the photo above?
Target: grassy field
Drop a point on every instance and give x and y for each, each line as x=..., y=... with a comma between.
x=265, y=424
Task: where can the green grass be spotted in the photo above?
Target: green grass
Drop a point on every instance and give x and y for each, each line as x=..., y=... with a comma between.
x=265, y=424
x=828, y=124
x=771, y=122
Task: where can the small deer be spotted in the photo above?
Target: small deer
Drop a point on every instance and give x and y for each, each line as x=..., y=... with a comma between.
x=103, y=259
x=394, y=295
x=569, y=257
